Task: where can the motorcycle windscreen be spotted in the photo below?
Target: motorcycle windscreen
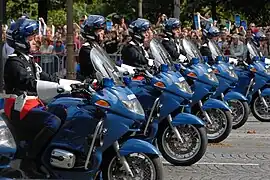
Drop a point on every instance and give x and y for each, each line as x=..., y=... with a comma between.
x=253, y=50
x=159, y=53
x=103, y=65
x=215, y=51
x=191, y=50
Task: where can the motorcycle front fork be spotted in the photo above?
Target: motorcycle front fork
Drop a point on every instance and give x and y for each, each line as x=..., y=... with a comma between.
x=122, y=159
x=262, y=99
x=206, y=115
x=175, y=130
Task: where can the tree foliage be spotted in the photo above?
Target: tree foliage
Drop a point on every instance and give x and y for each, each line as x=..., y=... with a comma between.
x=253, y=11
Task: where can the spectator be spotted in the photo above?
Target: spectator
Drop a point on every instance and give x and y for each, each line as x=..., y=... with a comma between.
x=237, y=47
x=59, y=47
x=207, y=21
x=160, y=22
x=252, y=27
x=77, y=42
x=46, y=47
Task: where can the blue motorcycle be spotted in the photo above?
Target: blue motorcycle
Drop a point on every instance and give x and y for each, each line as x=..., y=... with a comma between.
x=94, y=139
x=228, y=79
x=204, y=83
x=181, y=137
x=254, y=82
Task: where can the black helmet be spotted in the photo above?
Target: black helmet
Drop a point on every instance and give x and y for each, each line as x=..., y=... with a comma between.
x=137, y=27
x=18, y=33
x=170, y=24
x=91, y=24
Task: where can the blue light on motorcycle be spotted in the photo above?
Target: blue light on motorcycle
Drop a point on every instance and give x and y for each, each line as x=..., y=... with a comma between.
x=127, y=79
x=107, y=82
x=205, y=58
x=195, y=61
x=226, y=59
x=177, y=67
x=263, y=59
x=256, y=58
x=164, y=67
x=219, y=58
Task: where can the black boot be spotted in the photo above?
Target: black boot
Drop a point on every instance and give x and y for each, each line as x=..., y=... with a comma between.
x=29, y=165
x=30, y=169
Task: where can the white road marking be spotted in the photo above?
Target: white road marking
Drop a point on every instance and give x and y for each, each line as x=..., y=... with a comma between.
x=213, y=163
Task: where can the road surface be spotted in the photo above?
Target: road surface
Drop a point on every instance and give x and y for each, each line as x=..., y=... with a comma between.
x=244, y=155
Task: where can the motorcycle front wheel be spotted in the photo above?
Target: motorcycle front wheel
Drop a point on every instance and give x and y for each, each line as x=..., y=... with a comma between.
x=185, y=153
x=143, y=167
x=240, y=112
x=259, y=110
x=221, y=125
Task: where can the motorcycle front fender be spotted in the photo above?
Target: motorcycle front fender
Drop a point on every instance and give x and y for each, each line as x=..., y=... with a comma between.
x=185, y=118
x=215, y=104
x=234, y=95
x=266, y=92
x=137, y=146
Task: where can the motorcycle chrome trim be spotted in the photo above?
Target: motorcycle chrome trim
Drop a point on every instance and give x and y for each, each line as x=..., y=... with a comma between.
x=262, y=98
x=249, y=86
x=175, y=130
x=122, y=159
x=205, y=113
x=156, y=103
x=99, y=125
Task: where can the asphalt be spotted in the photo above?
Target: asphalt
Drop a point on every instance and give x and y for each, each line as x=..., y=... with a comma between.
x=244, y=155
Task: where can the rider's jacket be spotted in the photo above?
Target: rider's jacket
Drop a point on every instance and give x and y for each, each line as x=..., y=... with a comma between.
x=205, y=51
x=21, y=74
x=173, y=47
x=134, y=54
x=86, y=67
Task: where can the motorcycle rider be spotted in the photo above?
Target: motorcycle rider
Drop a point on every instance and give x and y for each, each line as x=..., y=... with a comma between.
x=213, y=33
x=23, y=107
x=134, y=53
x=92, y=30
x=256, y=39
x=171, y=41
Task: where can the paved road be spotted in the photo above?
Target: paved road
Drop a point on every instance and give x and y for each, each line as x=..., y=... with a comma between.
x=242, y=156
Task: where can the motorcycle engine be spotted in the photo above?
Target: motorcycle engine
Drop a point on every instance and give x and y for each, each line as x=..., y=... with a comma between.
x=62, y=159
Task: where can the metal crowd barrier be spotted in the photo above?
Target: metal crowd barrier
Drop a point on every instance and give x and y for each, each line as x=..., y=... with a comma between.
x=57, y=63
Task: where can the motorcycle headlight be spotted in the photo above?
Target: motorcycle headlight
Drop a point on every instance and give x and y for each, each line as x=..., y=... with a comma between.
x=184, y=87
x=232, y=73
x=267, y=69
x=6, y=138
x=134, y=106
x=211, y=76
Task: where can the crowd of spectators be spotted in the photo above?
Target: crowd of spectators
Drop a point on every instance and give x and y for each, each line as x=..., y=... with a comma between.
x=231, y=42
x=52, y=41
